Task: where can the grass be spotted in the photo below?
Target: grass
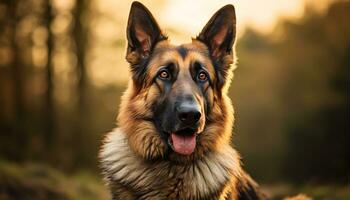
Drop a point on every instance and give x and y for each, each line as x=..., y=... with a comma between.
x=315, y=191
x=44, y=182
x=41, y=182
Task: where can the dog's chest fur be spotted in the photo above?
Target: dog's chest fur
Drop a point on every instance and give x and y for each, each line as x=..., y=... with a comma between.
x=203, y=179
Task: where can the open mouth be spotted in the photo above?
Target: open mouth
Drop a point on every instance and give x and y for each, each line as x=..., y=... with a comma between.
x=183, y=141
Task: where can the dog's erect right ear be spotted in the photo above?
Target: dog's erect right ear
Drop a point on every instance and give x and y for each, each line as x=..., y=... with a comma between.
x=143, y=33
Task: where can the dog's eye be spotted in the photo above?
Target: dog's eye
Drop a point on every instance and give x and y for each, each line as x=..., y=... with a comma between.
x=202, y=76
x=163, y=74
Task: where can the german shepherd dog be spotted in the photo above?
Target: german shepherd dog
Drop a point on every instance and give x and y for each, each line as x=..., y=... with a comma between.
x=175, y=120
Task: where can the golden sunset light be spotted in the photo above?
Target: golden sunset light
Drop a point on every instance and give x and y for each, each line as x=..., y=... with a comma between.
x=181, y=20
x=255, y=102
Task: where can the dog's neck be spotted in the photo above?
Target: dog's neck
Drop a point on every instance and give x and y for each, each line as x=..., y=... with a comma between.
x=207, y=175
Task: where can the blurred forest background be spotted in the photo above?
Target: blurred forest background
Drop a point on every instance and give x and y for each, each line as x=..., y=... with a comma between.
x=62, y=72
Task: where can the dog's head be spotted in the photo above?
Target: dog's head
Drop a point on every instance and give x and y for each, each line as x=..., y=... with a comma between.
x=176, y=104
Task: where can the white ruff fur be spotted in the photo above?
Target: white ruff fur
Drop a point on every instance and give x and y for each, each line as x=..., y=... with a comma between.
x=201, y=178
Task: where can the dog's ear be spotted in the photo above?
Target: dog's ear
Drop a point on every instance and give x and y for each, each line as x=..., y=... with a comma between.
x=143, y=33
x=219, y=35
x=220, y=32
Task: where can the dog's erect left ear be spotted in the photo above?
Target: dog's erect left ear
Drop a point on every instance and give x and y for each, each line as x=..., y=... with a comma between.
x=143, y=33
x=220, y=32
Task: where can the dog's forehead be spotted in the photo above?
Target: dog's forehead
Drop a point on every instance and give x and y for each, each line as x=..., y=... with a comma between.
x=182, y=49
x=183, y=55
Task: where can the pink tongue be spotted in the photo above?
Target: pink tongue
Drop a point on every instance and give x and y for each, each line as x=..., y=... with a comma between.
x=184, y=144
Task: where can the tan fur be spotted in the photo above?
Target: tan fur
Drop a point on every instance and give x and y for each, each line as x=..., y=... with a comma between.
x=138, y=163
x=137, y=103
x=134, y=155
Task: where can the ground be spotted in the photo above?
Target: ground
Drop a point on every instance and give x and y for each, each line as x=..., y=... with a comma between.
x=41, y=182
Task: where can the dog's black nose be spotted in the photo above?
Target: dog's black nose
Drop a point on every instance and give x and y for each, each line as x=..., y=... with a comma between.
x=188, y=114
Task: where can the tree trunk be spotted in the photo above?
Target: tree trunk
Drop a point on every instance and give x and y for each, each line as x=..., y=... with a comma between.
x=49, y=101
x=18, y=83
x=80, y=35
